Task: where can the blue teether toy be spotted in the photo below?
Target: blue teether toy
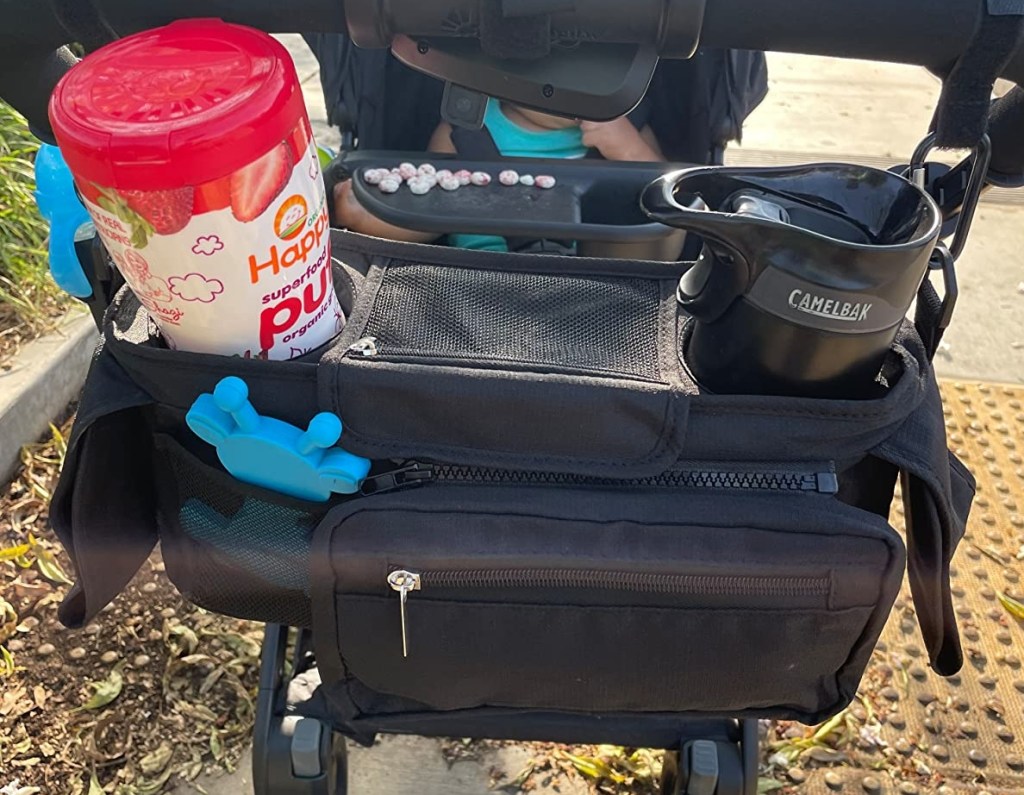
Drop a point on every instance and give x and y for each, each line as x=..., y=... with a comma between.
x=60, y=205
x=274, y=454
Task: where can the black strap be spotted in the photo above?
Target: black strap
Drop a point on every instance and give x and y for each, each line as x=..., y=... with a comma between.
x=962, y=115
x=932, y=537
x=480, y=145
x=927, y=315
x=475, y=144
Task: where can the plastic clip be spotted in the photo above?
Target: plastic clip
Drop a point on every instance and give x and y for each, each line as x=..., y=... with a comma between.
x=272, y=453
x=979, y=159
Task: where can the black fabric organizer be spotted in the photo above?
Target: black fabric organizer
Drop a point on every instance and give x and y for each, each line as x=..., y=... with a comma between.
x=596, y=535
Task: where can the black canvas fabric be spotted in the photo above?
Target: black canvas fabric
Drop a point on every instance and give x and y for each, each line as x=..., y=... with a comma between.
x=559, y=593
x=962, y=116
x=543, y=459
x=106, y=528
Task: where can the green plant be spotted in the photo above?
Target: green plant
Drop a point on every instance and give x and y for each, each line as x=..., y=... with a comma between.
x=27, y=294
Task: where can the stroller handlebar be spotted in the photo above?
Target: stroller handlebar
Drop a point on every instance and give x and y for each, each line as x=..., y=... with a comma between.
x=908, y=31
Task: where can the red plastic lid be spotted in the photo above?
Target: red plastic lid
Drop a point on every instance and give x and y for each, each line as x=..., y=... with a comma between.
x=179, y=105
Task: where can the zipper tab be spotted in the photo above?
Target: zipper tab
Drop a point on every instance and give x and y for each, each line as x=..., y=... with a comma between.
x=409, y=475
x=367, y=346
x=404, y=581
x=825, y=483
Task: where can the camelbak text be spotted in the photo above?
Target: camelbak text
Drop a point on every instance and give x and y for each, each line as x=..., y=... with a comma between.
x=828, y=307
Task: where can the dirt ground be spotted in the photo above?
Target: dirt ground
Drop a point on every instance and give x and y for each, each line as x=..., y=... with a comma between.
x=152, y=690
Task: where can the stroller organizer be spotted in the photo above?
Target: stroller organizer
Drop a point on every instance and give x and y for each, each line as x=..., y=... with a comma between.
x=559, y=525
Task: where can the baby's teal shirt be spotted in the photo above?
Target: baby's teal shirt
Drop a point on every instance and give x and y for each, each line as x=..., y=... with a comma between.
x=514, y=141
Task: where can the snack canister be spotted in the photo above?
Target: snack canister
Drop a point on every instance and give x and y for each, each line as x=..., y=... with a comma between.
x=191, y=148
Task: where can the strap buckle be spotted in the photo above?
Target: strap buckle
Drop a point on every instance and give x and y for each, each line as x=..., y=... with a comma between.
x=977, y=161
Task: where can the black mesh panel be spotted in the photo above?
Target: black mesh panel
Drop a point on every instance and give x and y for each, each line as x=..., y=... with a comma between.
x=589, y=323
x=250, y=556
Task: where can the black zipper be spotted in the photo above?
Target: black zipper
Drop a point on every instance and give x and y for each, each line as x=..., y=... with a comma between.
x=630, y=581
x=415, y=473
x=372, y=348
x=406, y=581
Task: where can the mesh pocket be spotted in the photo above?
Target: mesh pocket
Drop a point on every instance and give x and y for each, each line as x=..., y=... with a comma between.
x=234, y=548
x=593, y=323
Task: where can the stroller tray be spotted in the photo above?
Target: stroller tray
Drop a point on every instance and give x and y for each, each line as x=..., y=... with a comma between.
x=591, y=200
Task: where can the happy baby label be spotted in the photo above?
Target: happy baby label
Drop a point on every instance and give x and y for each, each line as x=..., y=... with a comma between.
x=237, y=266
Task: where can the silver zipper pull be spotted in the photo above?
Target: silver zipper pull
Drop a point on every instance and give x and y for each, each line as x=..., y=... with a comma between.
x=367, y=346
x=403, y=582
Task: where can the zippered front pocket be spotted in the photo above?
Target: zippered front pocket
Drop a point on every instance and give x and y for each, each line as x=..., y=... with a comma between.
x=606, y=600
x=506, y=583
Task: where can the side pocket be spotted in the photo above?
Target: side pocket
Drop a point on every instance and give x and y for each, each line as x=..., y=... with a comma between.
x=103, y=509
x=231, y=547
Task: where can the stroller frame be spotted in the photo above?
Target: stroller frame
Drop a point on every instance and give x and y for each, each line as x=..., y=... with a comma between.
x=303, y=756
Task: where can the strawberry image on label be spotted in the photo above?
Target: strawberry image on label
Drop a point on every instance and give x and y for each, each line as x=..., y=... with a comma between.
x=167, y=211
x=255, y=187
x=213, y=195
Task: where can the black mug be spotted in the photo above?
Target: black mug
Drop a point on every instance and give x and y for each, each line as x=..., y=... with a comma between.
x=806, y=274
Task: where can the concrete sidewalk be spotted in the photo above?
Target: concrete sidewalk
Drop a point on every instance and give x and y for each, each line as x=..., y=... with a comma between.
x=818, y=109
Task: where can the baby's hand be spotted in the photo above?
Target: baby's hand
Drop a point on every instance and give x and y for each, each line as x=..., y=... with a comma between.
x=617, y=140
x=348, y=212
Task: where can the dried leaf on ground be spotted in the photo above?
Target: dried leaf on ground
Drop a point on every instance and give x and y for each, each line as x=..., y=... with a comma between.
x=10, y=553
x=157, y=760
x=1013, y=606
x=595, y=768
x=50, y=568
x=104, y=692
x=94, y=785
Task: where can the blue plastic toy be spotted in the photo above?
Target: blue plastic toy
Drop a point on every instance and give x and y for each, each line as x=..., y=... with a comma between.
x=274, y=454
x=60, y=205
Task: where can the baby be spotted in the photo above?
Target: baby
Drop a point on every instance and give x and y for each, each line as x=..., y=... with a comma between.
x=517, y=132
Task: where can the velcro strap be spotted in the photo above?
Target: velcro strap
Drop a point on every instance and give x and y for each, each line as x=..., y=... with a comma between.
x=962, y=116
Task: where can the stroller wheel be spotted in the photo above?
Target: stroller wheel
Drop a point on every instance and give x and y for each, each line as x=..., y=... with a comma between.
x=705, y=767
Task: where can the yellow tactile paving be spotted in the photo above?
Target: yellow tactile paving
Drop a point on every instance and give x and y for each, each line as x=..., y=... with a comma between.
x=911, y=731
